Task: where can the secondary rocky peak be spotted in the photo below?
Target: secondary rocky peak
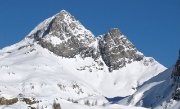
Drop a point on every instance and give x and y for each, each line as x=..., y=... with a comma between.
x=117, y=50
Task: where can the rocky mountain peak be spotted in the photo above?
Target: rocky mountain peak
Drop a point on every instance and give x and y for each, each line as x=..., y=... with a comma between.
x=65, y=36
x=117, y=50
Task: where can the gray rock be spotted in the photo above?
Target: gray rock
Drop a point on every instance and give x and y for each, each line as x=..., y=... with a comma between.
x=116, y=50
x=75, y=39
x=176, y=78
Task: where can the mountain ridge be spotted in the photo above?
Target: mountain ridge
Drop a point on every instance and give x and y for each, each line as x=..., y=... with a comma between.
x=60, y=60
x=64, y=33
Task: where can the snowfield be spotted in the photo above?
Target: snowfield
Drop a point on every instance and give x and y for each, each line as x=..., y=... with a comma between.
x=33, y=71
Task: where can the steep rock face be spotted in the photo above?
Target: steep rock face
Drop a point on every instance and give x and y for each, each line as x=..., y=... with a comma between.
x=117, y=50
x=65, y=36
x=176, y=78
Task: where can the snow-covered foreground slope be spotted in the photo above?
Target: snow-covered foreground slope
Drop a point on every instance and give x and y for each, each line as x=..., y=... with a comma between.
x=67, y=105
x=156, y=93
x=62, y=61
x=159, y=92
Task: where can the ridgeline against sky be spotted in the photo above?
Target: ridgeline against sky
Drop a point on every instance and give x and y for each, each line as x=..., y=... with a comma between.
x=152, y=26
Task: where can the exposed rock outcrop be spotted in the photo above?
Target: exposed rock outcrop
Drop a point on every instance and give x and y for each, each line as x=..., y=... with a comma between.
x=65, y=36
x=176, y=77
x=4, y=101
x=117, y=50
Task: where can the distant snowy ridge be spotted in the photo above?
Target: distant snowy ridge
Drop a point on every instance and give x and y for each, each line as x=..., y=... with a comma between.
x=60, y=60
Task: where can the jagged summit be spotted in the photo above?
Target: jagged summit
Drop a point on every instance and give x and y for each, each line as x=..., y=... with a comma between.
x=62, y=22
x=117, y=50
x=43, y=25
x=65, y=15
x=64, y=12
x=63, y=35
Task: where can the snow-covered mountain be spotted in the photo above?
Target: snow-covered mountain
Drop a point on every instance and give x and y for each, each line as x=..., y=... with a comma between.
x=61, y=61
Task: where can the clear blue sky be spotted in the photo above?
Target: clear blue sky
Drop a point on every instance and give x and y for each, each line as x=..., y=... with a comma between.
x=153, y=26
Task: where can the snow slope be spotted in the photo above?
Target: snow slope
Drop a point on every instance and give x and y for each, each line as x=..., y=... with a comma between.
x=155, y=93
x=30, y=70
